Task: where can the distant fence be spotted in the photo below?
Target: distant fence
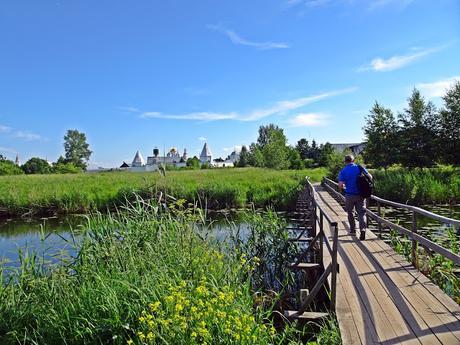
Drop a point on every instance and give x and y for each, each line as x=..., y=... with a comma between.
x=416, y=239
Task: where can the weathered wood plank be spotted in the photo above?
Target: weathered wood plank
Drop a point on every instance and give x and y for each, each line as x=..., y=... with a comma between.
x=416, y=310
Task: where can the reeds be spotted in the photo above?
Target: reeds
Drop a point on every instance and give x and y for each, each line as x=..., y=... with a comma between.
x=419, y=186
x=146, y=274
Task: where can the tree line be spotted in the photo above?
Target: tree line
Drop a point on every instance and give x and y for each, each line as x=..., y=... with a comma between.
x=76, y=157
x=419, y=136
x=272, y=151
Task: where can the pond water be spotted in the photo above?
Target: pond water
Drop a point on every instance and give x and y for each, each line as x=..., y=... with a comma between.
x=52, y=238
x=428, y=227
x=55, y=238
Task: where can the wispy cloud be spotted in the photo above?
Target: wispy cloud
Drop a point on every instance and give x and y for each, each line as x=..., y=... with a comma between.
x=5, y=129
x=202, y=139
x=278, y=108
x=309, y=120
x=237, y=39
x=27, y=136
x=437, y=88
x=282, y=107
x=398, y=61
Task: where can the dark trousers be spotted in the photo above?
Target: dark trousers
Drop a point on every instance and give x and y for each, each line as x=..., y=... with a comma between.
x=355, y=202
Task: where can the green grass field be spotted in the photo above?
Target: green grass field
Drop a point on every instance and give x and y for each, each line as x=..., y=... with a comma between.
x=215, y=188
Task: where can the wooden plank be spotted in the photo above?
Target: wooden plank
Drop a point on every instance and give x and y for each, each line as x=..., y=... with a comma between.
x=427, y=336
x=415, y=302
x=308, y=315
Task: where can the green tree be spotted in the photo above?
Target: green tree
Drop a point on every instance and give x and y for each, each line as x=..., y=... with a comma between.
x=294, y=158
x=449, y=131
x=256, y=158
x=304, y=148
x=315, y=151
x=8, y=167
x=380, y=132
x=325, y=151
x=243, y=161
x=273, y=145
x=36, y=165
x=76, y=148
x=418, y=136
x=193, y=163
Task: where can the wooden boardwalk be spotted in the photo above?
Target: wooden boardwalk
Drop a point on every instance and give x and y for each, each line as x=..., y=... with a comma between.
x=381, y=297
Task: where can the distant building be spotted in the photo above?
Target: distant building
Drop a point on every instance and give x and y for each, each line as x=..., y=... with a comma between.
x=173, y=157
x=17, y=160
x=355, y=148
x=206, y=155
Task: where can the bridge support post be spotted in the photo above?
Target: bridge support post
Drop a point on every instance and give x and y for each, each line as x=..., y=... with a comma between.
x=378, y=222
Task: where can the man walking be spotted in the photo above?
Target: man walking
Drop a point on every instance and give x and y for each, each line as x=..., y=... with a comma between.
x=353, y=200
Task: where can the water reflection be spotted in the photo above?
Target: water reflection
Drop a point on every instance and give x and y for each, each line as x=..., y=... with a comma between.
x=49, y=238
x=426, y=226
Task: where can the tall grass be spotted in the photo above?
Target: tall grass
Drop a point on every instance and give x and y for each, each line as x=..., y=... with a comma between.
x=146, y=276
x=219, y=188
x=419, y=186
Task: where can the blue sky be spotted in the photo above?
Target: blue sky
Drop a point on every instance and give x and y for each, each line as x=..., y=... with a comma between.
x=139, y=74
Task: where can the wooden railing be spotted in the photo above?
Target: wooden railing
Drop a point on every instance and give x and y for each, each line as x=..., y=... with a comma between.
x=320, y=220
x=412, y=233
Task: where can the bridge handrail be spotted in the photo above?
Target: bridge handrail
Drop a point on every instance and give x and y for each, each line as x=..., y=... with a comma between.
x=419, y=210
x=332, y=268
x=412, y=234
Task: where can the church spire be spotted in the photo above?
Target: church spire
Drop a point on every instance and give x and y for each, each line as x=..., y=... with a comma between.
x=17, y=159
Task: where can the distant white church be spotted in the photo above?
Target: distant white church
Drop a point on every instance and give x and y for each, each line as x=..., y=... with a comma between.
x=173, y=157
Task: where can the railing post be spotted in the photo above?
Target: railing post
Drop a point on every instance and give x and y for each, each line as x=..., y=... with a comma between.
x=379, y=212
x=321, y=238
x=367, y=217
x=335, y=238
x=414, y=242
x=313, y=228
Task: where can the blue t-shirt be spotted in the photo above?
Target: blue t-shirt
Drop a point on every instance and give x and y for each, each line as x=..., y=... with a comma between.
x=348, y=175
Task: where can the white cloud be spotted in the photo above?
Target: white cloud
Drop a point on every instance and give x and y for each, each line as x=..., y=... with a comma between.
x=237, y=39
x=309, y=120
x=396, y=62
x=279, y=108
x=4, y=129
x=27, y=136
x=282, y=107
x=437, y=88
x=202, y=139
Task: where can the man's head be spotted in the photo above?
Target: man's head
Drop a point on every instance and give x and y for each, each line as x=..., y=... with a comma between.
x=349, y=159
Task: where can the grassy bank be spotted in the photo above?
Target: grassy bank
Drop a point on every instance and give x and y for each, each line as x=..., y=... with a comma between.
x=419, y=186
x=143, y=277
x=217, y=188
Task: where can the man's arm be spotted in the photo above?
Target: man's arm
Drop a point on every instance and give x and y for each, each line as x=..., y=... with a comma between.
x=368, y=173
x=341, y=185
